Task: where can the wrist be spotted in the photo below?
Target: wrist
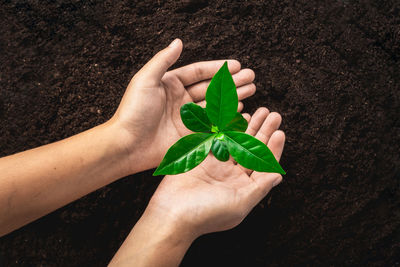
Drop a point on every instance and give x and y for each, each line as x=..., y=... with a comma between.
x=125, y=147
x=168, y=228
x=137, y=154
x=111, y=142
x=154, y=241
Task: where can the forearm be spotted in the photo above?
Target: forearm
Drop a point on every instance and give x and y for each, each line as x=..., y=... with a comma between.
x=38, y=181
x=154, y=241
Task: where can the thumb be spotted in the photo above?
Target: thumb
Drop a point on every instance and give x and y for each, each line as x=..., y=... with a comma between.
x=155, y=69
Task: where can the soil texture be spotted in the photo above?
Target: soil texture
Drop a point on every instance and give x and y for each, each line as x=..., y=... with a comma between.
x=331, y=68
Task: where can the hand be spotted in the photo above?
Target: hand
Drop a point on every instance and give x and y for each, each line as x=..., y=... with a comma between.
x=217, y=196
x=149, y=114
x=214, y=196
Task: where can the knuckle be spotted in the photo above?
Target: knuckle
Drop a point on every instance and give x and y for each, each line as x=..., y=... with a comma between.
x=198, y=72
x=262, y=136
x=168, y=78
x=169, y=62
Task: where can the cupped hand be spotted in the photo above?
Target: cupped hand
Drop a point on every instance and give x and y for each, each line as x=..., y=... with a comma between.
x=217, y=196
x=149, y=113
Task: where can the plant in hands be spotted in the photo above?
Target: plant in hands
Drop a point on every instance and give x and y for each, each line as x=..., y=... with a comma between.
x=217, y=195
x=219, y=128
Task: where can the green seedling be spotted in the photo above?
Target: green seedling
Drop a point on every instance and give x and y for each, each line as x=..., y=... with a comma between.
x=218, y=128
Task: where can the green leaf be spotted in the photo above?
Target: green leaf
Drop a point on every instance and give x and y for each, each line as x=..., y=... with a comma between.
x=195, y=118
x=237, y=124
x=219, y=148
x=251, y=153
x=185, y=154
x=221, y=97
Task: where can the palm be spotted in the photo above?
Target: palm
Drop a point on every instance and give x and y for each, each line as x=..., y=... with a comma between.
x=170, y=126
x=157, y=110
x=213, y=190
x=223, y=184
x=217, y=195
x=150, y=108
x=153, y=106
x=214, y=196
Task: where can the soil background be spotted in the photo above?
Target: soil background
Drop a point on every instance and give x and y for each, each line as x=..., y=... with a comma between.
x=331, y=68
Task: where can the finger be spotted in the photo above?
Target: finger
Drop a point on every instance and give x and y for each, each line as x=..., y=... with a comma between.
x=243, y=77
x=155, y=69
x=269, y=126
x=246, y=91
x=264, y=182
x=276, y=144
x=257, y=120
x=247, y=117
x=200, y=71
x=240, y=107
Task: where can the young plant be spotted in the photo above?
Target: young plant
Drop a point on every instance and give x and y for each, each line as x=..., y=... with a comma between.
x=219, y=128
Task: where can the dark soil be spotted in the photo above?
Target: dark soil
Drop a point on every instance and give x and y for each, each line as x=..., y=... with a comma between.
x=331, y=68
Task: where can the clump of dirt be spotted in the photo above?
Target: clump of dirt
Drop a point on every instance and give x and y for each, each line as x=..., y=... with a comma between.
x=331, y=68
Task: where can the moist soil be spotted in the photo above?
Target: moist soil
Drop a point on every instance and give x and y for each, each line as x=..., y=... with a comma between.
x=331, y=68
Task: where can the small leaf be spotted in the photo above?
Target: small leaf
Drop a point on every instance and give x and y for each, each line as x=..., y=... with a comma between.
x=219, y=148
x=221, y=98
x=195, y=118
x=251, y=153
x=214, y=129
x=185, y=154
x=237, y=124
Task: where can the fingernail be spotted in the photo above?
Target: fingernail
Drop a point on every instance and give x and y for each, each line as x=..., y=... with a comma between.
x=277, y=181
x=173, y=43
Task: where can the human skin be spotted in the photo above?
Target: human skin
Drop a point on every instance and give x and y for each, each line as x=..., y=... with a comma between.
x=146, y=123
